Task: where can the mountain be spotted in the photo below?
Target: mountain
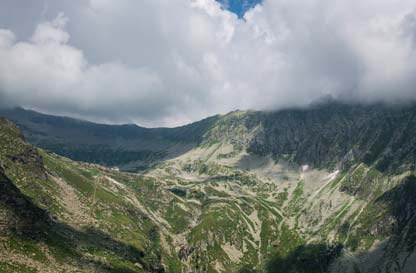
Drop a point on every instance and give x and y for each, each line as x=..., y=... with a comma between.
x=330, y=188
x=128, y=147
x=322, y=135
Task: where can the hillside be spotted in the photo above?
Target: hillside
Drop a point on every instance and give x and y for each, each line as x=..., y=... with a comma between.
x=128, y=147
x=324, y=135
x=326, y=189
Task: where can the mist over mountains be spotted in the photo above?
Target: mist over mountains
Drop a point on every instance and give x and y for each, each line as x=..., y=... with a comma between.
x=100, y=61
x=208, y=136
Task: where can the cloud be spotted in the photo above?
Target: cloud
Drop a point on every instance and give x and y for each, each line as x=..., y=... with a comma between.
x=171, y=62
x=47, y=73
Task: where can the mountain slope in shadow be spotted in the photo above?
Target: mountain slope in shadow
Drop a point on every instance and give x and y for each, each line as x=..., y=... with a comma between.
x=129, y=146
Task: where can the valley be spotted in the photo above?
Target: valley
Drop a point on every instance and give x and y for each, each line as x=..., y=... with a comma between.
x=328, y=189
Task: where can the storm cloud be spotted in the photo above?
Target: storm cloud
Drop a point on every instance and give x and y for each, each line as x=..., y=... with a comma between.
x=169, y=62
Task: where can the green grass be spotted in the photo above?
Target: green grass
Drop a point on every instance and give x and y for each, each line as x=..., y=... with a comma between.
x=13, y=267
x=296, y=199
x=177, y=217
x=281, y=198
x=27, y=247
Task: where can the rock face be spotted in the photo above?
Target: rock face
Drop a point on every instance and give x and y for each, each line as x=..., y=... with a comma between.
x=19, y=161
x=327, y=135
x=325, y=189
x=17, y=213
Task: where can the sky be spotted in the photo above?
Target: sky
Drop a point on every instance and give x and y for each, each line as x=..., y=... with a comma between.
x=170, y=62
x=239, y=7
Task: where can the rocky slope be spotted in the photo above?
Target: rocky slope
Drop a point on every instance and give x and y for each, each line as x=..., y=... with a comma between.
x=292, y=191
x=327, y=135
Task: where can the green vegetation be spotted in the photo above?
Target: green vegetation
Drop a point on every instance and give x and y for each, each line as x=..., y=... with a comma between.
x=297, y=198
x=239, y=201
x=314, y=258
x=6, y=267
x=177, y=217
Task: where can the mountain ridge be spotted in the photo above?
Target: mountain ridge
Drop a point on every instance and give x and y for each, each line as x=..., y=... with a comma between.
x=119, y=144
x=342, y=131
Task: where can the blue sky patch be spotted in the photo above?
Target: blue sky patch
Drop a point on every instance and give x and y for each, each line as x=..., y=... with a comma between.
x=239, y=7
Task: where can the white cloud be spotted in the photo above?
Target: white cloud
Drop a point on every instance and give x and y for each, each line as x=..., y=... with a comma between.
x=48, y=73
x=168, y=62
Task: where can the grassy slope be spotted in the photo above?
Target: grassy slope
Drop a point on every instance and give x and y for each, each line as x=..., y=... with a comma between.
x=202, y=211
